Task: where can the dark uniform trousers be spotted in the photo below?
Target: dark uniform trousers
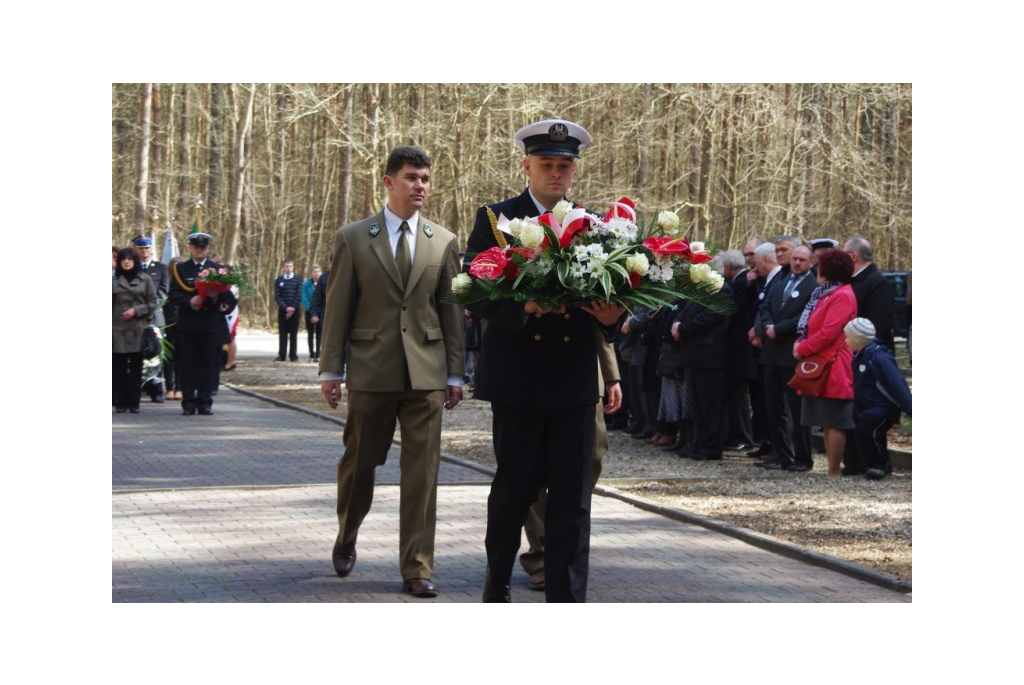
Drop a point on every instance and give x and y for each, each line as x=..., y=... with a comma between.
x=199, y=362
x=534, y=447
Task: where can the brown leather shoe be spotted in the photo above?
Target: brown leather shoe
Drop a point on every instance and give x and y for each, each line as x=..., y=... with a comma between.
x=653, y=440
x=419, y=587
x=664, y=441
x=537, y=580
x=344, y=558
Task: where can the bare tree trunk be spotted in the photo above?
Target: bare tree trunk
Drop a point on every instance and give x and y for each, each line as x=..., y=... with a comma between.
x=237, y=170
x=345, y=185
x=308, y=255
x=372, y=94
x=157, y=156
x=142, y=182
x=643, y=177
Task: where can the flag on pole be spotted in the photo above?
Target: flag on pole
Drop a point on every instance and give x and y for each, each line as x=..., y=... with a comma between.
x=170, y=246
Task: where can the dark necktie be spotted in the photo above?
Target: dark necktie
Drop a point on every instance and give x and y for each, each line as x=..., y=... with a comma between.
x=789, y=287
x=402, y=254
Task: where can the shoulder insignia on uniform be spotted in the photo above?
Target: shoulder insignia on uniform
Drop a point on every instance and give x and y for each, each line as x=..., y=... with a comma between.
x=374, y=229
x=428, y=230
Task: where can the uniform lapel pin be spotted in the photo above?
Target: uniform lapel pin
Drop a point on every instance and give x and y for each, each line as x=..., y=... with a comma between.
x=374, y=229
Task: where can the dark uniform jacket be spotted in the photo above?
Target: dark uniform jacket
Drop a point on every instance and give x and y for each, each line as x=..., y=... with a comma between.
x=208, y=318
x=539, y=361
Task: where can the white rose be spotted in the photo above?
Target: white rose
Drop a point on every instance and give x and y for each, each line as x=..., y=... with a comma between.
x=700, y=273
x=461, y=284
x=531, y=235
x=561, y=209
x=638, y=263
x=668, y=221
x=716, y=280
x=515, y=227
x=697, y=247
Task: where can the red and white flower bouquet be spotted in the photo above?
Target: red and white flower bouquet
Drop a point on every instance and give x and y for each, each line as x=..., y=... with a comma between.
x=569, y=256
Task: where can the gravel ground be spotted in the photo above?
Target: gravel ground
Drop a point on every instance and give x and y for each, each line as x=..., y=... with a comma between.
x=869, y=523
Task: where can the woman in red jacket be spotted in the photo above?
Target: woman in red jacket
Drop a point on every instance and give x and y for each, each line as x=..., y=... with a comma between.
x=820, y=331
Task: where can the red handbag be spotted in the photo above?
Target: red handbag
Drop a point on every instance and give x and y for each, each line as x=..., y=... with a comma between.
x=811, y=374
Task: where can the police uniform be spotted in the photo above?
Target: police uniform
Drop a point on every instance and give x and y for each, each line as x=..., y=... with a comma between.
x=540, y=373
x=158, y=274
x=200, y=332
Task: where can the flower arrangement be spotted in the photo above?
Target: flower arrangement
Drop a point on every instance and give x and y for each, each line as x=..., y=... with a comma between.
x=569, y=256
x=212, y=282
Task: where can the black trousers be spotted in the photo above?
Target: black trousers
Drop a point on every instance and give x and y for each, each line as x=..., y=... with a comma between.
x=534, y=448
x=288, y=334
x=127, y=379
x=199, y=366
x=872, y=443
x=791, y=442
x=314, y=332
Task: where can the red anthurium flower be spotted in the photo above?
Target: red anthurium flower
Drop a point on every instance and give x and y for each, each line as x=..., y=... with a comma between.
x=511, y=270
x=666, y=245
x=618, y=211
x=489, y=264
x=634, y=279
x=526, y=252
x=699, y=258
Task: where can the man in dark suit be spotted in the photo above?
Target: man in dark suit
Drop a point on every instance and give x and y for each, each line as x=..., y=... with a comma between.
x=741, y=362
x=288, y=296
x=389, y=275
x=158, y=274
x=775, y=332
x=702, y=336
x=201, y=327
x=538, y=369
x=875, y=300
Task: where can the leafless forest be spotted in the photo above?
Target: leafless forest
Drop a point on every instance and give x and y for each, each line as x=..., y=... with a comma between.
x=280, y=166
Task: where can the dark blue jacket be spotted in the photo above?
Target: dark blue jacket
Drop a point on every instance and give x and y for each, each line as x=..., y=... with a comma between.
x=878, y=383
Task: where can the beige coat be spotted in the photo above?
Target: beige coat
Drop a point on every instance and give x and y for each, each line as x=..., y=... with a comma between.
x=140, y=294
x=390, y=328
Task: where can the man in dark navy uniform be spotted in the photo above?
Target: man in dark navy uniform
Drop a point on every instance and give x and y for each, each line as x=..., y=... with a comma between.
x=538, y=368
x=200, y=327
x=158, y=274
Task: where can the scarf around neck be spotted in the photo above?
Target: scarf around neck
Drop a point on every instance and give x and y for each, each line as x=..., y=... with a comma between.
x=823, y=290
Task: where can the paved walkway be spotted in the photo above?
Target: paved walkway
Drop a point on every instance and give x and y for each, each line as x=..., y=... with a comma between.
x=239, y=507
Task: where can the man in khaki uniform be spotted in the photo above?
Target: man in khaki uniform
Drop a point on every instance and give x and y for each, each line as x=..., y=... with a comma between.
x=405, y=362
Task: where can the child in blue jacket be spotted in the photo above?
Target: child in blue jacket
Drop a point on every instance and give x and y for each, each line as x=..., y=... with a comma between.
x=880, y=393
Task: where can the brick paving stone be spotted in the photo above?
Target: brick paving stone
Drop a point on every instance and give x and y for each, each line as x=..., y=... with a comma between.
x=239, y=507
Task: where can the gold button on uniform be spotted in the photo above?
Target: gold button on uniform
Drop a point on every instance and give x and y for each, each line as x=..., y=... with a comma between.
x=566, y=338
x=568, y=315
x=536, y=336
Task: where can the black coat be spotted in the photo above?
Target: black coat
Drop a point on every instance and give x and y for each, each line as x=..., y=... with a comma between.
x=875, y=302
x=702, y=335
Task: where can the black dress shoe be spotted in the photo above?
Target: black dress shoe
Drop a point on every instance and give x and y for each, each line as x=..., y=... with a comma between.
x=294, y=359
x=496, y=592
x=800, y=468
x=761, y=451
x=704, y=456
x=159, y=399
x=206, y=411
x=675, y=446
x=685, y=452
x=344, y=558
x=279, y=359
x=188, y=411
x=122, y=410
x=647, y=432
x=419, y=587
x=875, y=474
x=134, y=410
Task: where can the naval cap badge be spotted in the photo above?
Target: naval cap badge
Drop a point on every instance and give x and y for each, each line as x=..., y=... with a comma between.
x=558, y=132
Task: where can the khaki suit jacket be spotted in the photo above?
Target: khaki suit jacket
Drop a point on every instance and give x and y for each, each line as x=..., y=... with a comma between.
x=391, y=328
